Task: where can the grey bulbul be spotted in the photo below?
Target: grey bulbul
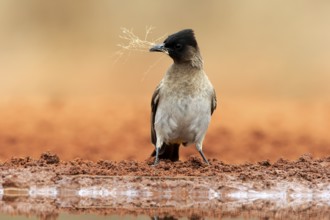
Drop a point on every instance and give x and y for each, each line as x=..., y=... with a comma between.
x=184, y=100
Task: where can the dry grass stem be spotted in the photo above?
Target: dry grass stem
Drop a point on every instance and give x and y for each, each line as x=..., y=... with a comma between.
x=135, y=43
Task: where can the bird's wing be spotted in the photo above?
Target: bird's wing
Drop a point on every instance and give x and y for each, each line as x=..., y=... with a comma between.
x=154, y=105
x=213, y=102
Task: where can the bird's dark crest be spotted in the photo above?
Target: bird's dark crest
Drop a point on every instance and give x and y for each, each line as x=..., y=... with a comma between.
x=185, y=37
x=182, y=46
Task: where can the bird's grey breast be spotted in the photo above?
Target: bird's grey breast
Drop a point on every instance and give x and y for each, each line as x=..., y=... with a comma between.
x=183, y=112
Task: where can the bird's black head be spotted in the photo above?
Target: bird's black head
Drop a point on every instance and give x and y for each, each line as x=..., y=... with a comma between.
x=181, y=46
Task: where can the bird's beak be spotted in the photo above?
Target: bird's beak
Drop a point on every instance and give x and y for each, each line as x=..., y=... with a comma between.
x=158, y=48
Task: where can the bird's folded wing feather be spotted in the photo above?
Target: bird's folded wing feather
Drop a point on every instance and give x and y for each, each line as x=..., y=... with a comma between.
x=154, y=105
x=213, y=102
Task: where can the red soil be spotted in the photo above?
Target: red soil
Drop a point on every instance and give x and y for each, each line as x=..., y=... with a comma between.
x=119, y=131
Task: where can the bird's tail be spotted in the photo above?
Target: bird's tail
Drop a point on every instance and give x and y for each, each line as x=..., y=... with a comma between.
x=168, y=152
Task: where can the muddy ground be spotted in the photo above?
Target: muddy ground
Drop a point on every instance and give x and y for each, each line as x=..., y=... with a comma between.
x=250, y=190
x=49, y=168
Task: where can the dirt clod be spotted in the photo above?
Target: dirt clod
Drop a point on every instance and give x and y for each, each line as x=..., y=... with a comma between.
x=49, y=158
x=265, y=163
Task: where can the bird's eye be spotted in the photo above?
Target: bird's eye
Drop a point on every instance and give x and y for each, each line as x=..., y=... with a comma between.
x=178, y=46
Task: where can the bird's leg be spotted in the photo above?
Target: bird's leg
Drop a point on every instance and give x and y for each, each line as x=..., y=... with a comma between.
x=158, y=146
x=199, y=147
x=156, y=157
x=203, y=156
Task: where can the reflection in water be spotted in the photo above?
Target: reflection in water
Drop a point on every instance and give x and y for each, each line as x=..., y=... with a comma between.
x=166, y=199
x=100, y=217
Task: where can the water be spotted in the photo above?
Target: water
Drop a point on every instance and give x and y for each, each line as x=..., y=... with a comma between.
x=91, y=197
x=97, y=217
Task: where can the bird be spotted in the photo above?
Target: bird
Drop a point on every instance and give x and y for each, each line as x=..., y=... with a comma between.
x=183, y=101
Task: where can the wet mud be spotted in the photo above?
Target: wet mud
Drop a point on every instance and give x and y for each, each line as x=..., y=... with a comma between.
x=48, y=186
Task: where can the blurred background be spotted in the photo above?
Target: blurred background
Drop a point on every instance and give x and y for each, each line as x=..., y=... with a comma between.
x=66, y=86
